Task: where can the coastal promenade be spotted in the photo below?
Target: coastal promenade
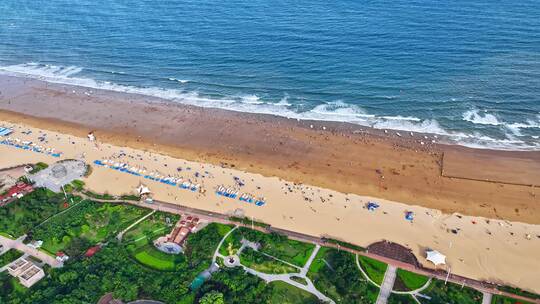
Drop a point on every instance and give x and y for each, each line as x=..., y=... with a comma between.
x=483, y=287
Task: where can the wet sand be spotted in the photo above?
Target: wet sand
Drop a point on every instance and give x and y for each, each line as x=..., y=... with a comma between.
x=485, y=249
x=339, y=156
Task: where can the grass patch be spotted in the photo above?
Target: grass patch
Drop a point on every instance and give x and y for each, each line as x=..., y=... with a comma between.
x=263, y=263
x=9, y=256
x=38, y=167
x=335, y=274
x=373, y=268
x=406, y=280
x=283, y=293
x=78, y=185
x=450, y=293
x=496, y=299
x=344, y=244
x=104, y=196
x=274, y=244
x=85, y=225
x=149, y=256
x=299, y=280
x=248, y=221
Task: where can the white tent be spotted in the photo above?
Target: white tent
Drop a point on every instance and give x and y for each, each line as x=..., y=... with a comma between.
x=142, y=190
x=435, y=257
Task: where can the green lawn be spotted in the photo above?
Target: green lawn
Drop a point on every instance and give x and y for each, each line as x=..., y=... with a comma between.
x=9, y=256
x=283, y=293
x=85, y=225
x=274, y=244
x=149, y=256
x=335, y=274
x=374, y=269
x=262, y=263
x=505, y=300
x=450, y=293
x=406, y=280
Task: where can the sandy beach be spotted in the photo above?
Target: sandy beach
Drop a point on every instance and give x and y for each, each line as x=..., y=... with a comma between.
x=486, y=249
x=414, y=169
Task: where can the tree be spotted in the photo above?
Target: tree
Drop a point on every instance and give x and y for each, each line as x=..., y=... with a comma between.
x=212, y=297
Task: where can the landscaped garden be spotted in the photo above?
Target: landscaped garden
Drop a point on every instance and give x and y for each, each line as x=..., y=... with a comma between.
x=139, y=244
x=20, y=216
x=336, y=274
x=158, y=224
x=373, y=268
x=260, y=262
x=439, y=292
x=273, y=244
x=84, y=225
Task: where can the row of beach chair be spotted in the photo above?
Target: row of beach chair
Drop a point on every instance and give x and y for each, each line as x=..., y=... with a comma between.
x=244, y=197
x=29, y=146
x=171, y=181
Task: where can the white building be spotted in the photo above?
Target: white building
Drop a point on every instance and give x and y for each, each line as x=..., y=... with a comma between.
x=27, y=272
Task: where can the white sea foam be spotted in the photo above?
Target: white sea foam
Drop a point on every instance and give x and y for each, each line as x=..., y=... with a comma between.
x=421, y=126
x=178, y=80
x=331, y=111
x=476, y=117
x=251, y=99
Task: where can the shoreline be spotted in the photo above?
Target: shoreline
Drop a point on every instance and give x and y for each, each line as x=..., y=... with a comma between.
x=340, y=156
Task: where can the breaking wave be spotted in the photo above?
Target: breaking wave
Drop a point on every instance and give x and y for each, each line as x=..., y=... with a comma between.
x=476, y=117
x=329, y=111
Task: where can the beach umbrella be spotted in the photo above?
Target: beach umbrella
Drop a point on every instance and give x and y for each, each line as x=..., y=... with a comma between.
x=435, y=257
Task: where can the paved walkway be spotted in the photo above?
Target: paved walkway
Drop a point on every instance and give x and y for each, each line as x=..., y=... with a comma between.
x=486, y=299
x=286, y=277
x=19, y=245
x=387, y=284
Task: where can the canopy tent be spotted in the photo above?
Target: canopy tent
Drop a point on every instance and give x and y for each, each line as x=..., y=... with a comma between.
x=435, y=257
x=142, y=190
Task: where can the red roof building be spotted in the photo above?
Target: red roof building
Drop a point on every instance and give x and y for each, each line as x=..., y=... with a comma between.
x=19, y=188
x=91, y=251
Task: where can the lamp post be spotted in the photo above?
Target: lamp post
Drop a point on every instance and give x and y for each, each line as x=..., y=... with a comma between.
x=447, y=276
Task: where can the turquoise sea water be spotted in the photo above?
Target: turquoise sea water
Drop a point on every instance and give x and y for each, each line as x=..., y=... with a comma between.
x=466, y=69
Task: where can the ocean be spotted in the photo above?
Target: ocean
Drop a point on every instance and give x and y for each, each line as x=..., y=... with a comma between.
x=469, y=70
